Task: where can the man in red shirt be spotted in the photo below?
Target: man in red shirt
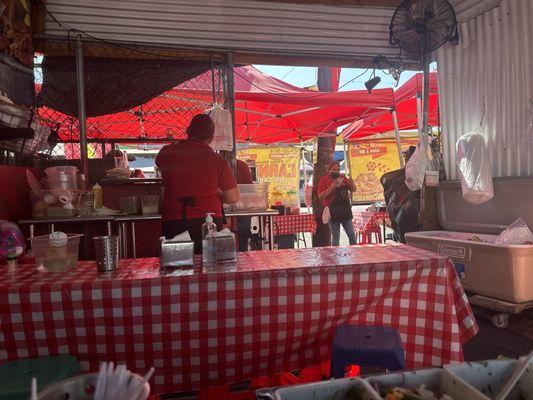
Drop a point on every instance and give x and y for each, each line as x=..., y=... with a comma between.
x=196, y=181
x=334, y=192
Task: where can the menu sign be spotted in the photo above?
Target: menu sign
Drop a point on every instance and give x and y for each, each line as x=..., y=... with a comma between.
x=368, y=160
x=279, y=166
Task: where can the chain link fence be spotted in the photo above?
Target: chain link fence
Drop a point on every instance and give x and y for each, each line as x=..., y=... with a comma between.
x=158, y=119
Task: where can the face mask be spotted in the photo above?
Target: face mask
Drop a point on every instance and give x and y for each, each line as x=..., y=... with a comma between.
x=334, y=175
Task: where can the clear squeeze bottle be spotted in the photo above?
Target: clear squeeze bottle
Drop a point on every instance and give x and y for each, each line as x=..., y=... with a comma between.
x=209, y=241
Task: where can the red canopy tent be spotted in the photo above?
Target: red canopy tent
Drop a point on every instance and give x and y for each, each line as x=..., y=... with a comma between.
x=268, y=110
x=406, y=99
x=279, y=112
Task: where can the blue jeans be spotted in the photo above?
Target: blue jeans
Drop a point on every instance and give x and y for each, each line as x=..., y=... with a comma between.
x=335, y=227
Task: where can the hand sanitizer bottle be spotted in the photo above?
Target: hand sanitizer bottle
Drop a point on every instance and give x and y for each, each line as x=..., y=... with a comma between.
x=209, y=241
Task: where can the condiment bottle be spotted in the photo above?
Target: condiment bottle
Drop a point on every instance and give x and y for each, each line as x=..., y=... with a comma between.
x=98, y=196
x=209, y=241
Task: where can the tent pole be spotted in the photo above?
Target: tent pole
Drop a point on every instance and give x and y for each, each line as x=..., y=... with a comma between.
x=82, y=117
x=345, y=154
x=397, y=134
x=230, y=104
x=213, y=93
x=419, y=111
x=425, y=95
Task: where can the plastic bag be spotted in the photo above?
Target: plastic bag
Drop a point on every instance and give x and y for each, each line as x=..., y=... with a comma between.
x=403, y=205
x=419, y=163
x=223, y=139
x=474, y=168
x=12, y=243
x=326, y=215
x=516, y=233
x=308, y=195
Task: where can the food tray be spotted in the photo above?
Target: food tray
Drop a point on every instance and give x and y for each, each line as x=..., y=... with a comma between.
x=338, y=389
x=488, y=377
x=434, y=379
x=467, y=381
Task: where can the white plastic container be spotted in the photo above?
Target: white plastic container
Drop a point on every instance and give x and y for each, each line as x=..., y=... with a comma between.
x=500, y=271
x=56, y=258
x=150, y=204
x=129, y=205
x=253, y=196
x=327, y=390
x=434, y=379
x=488, y=377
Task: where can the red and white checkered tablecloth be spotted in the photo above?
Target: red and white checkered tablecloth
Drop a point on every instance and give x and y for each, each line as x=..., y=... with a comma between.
x=368, y=220
x=275, y=312
x=293, y=224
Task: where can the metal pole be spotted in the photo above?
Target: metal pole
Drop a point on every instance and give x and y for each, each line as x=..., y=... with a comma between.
x=398, y=140
x=82, y=117
x=345, y=154
x=213, y=92
x=425, y=95
x=230, y=103
x=419, y=111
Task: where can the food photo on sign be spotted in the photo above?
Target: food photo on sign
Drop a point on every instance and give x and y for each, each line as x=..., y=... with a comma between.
x=369, y=160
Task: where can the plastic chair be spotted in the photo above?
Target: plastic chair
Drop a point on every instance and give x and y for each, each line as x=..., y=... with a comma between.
x=368, y=235
x=15, y=376
x=366, y=346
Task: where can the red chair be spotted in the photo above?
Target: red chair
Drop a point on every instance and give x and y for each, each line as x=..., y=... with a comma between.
x=366, y=236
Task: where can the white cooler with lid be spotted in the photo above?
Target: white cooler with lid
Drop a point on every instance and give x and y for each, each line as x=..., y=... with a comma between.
x=503, y=272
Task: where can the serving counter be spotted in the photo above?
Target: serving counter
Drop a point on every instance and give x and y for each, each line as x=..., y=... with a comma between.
x=270, y=312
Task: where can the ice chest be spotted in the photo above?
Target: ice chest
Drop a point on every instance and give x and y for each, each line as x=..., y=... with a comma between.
x=503, y=272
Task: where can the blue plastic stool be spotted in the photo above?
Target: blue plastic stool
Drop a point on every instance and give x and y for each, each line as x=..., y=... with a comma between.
x=366, y=346
x=15, y=376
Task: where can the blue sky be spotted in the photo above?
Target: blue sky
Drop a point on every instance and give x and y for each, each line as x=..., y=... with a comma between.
x=306, y=76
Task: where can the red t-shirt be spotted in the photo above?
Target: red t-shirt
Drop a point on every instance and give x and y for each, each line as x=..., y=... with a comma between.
x=190, y=168
x=243, y=172
x=325, y=182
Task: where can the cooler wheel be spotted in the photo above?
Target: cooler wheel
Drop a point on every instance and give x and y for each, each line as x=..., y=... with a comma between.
x=500, y=321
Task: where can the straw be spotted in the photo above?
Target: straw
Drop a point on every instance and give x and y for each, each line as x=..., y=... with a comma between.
x=33, y=388
x=100, y=383
x=109, y=380
x=134, y=389
x=517, y=374
x=118, y=383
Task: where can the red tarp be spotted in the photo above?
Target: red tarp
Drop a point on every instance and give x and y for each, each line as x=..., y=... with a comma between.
x=268, y=110
x=406, y=110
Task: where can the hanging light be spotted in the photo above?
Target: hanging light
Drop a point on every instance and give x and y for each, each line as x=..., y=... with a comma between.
x=372, y=82
x=395, y=73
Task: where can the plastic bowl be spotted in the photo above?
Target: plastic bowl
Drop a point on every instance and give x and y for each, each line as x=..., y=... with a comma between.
x=61, y=170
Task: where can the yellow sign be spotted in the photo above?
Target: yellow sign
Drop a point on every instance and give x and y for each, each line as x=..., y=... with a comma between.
x=368, y=160
x=279, y=166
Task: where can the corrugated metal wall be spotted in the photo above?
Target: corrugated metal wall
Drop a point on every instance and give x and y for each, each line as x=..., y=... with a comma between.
x=490, y=74
x=467, y=9
x=254, y=26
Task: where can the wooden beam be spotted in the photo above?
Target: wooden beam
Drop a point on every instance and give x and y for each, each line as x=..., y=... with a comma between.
x=243, y=58
x=367, y=3
x=37, y=18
